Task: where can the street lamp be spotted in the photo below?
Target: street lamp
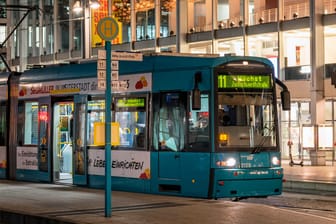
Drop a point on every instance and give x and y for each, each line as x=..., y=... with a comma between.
x=77, y=8
x=94, y=4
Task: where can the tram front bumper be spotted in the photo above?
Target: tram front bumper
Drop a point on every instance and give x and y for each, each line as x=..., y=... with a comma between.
x=255, y=182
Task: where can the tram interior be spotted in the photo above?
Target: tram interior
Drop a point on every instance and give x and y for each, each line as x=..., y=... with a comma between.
x=246, y=120
x=62, y=145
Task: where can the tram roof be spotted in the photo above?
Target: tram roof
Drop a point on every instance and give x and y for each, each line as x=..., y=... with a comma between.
x=151, y=63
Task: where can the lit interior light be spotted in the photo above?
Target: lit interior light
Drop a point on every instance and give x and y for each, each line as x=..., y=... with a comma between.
x=223, y=137
x=245, y=63
x=77, y=7
x=305, y=69
x=94, y=4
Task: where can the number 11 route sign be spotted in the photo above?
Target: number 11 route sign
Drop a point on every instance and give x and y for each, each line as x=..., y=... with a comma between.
x=107, y=28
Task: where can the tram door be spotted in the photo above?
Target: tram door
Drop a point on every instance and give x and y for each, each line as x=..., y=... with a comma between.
x=80, y=118
x=44, y=139
x=62, y=142
x=171, y=134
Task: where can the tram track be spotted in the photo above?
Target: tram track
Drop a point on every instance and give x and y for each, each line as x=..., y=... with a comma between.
x=312, y=206
x=323, y=213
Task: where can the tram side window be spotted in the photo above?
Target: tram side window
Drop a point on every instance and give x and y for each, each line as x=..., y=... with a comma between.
x=3, y=128
x=199, y=126
x=28, y=123
x=96, y=114
x=132, y=118
x=170, y=121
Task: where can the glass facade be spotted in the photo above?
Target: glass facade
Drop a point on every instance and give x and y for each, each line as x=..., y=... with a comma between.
x=278, y=30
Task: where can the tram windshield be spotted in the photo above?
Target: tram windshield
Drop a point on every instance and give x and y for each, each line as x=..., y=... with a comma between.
x=246, y=120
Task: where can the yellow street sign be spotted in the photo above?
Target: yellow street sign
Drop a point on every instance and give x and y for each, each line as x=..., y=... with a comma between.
x=107, y=28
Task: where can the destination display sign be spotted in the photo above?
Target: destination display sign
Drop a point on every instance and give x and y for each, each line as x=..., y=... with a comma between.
x=134, y=102
x=244, y=81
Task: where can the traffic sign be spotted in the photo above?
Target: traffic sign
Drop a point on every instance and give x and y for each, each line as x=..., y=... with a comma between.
x=101, y=64
x=115, y=75
x=101, y=84
x=119, y=85
x=101, y=74
x=115, y=65
x=101, y=54
x=126, y=56
x=107, y=28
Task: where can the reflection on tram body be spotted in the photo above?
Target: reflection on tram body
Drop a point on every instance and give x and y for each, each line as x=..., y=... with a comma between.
x=131, y=126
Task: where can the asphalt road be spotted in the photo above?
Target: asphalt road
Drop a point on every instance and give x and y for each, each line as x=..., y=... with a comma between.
x=318, y=205
x=24, y=203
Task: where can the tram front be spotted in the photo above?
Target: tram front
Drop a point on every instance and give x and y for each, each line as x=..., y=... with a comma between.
x=247, y=161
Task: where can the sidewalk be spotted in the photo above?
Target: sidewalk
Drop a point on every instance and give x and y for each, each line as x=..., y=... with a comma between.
x=25, y=202
x=310, y=179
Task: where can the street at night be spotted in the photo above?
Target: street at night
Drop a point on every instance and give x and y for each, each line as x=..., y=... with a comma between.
x=69, y=204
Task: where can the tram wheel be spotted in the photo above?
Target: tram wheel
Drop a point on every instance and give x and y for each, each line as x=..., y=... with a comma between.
x=235, y=199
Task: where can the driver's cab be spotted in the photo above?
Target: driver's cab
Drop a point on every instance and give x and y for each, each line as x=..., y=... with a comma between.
x=246, y=120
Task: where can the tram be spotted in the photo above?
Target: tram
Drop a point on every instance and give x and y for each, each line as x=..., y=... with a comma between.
x=185, y=125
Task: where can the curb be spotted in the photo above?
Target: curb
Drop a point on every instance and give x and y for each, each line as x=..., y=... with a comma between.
x=9, y=217
x=310, y=187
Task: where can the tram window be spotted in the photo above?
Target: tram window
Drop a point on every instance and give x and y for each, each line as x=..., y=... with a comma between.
x=170, y=121
x=132, y=128
x=28, y=123
x=130, y=113
x=199, y=126
x=96, y=110
x=3, y=129
x=246, y=120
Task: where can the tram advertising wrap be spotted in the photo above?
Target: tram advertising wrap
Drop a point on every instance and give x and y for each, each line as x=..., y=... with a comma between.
x=124, y=164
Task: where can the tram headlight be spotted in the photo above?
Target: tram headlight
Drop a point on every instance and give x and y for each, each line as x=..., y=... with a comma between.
x=230, y=162
x=275, y=161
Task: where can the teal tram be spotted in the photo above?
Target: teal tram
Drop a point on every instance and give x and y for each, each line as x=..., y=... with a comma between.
x=185, y=125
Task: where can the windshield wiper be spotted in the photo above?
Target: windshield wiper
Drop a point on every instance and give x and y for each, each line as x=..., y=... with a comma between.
x=256, y=150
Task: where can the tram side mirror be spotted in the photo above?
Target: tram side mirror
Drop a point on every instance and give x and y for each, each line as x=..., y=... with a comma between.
x=285, y=100
x=196, y=99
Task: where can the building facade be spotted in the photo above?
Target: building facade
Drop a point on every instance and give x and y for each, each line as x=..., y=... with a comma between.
x=298, y=36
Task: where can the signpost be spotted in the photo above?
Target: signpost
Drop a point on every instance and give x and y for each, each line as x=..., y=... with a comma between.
x=101, y=69
x=108, y=30
x=127, y=56
x=108, y=75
